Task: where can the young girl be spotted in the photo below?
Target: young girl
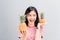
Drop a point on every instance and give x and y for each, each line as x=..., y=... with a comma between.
x=32, y=20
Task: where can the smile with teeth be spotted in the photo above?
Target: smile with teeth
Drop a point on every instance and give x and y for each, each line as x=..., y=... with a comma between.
x=31, y=20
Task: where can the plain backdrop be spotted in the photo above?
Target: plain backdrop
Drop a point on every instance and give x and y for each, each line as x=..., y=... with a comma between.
x=10, y=10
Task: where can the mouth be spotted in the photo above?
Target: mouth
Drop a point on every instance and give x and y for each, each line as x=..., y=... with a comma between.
x=31, y=20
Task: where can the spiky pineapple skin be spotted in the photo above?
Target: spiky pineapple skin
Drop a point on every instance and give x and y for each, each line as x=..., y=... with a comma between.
x=22, y=27
x=42, y=20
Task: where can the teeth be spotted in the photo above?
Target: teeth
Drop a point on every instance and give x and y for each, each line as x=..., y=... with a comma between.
x=31, y=20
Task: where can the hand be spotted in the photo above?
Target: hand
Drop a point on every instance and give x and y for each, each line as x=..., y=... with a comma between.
x=23, y=35
x=43, y=23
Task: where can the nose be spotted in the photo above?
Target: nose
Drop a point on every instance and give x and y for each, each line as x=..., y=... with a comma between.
x=32, y=17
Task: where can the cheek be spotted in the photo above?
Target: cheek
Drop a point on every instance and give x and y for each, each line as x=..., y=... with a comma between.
x=35, y=18
x=28, y=18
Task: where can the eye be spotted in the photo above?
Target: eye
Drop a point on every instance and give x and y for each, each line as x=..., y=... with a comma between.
x=29, y=15
x=34, y=15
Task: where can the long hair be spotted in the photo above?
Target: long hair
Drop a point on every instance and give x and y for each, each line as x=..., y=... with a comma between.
x=28, y=10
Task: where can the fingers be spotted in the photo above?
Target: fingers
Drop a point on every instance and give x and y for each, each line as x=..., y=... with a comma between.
x=42, y=23
x=23, y=32
x=23, y=35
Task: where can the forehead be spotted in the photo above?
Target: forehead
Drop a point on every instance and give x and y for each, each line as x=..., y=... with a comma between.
x=32, y=13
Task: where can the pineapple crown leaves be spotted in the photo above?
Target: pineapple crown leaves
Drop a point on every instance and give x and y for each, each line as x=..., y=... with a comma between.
x=42, y=15
x=22, y=18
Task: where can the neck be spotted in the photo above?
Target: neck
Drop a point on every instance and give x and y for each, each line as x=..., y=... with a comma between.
x=31, y=24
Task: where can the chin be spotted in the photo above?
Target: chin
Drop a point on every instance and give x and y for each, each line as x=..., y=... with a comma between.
x=31, y=22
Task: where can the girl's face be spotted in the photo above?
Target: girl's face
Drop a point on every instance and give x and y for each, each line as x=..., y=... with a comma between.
x=31, y=17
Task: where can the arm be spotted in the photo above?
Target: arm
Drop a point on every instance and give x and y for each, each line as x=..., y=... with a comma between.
x=40, y=27
x=41, y=30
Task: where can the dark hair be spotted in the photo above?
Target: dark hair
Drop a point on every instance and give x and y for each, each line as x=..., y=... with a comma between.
x=28, y=10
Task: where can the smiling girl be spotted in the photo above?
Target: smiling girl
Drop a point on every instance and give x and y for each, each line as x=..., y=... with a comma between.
x=32, y=20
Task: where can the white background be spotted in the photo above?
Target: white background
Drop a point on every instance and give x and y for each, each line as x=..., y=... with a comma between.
x=11, y=9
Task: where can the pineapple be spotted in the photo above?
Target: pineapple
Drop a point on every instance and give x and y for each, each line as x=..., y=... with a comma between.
x=42, y=18
x=22, y=25
x=22, y=19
